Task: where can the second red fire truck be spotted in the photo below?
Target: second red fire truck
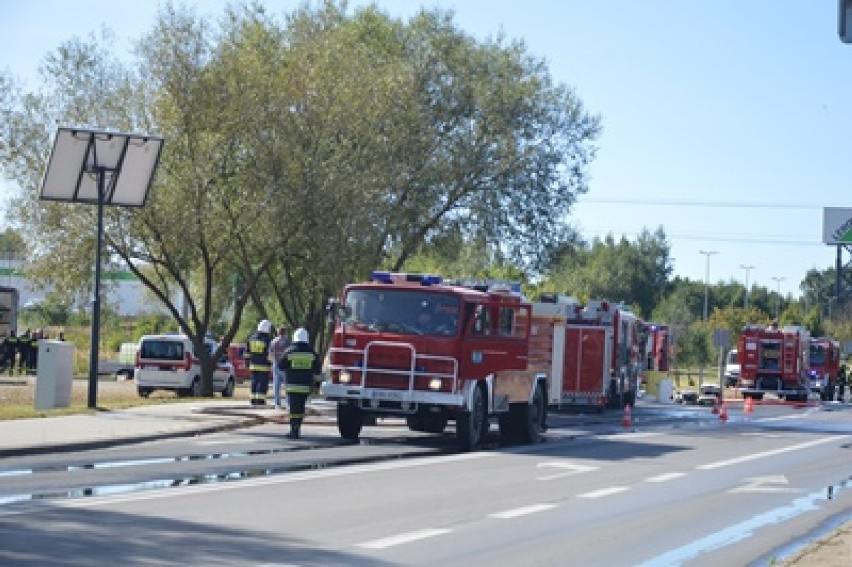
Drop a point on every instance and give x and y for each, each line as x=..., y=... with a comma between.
x=591, y=352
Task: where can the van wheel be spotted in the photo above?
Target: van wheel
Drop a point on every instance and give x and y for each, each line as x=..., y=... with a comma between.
x=144, y=392
x=228, y=392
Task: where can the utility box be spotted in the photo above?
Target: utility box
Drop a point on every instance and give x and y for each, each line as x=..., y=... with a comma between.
x=54, y=374
x=665, y=391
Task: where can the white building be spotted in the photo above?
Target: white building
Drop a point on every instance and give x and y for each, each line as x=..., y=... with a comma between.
x=121, y=290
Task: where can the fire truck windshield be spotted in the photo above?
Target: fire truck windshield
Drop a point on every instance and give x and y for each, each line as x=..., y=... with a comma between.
x=402, y=311
x=817, y=355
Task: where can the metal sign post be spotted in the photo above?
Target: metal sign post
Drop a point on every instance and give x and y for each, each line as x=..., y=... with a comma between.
x=101, y=168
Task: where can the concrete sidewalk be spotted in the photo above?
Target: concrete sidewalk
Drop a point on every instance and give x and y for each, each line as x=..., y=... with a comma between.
x=143, y=423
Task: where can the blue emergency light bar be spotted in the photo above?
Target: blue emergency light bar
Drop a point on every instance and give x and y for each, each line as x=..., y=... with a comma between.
x=398, y=277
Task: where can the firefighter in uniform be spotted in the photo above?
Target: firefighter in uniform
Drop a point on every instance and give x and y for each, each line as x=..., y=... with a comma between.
x=10, y=347
x=842, y=382
x=257, y=353
x=301, y=364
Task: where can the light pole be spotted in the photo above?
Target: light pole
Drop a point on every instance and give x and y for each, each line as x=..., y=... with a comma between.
x=747, y=270
x=778, y=281
x=707, y=253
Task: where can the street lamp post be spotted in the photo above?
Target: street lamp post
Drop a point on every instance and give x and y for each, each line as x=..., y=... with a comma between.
x=747, y=270
x=707, y=253
x=778, y=281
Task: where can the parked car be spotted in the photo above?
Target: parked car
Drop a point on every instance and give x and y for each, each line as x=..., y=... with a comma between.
x=732, y=369
x=169, y=362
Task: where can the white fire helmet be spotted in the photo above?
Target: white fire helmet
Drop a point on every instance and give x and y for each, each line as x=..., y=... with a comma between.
x=300, y=335
x=264, y=326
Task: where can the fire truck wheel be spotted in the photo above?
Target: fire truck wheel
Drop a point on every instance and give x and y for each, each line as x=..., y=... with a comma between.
x=349, y=421
x=471, y=425
x=534, y=422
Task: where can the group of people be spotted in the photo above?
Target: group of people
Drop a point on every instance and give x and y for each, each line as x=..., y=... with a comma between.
x=21, y=352
x=293, y=365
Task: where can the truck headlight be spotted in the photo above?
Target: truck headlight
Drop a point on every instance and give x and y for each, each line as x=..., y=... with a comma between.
x=345, y=377
x=435, y=384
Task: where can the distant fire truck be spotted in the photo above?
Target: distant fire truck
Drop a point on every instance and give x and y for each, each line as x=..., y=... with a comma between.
x=410, y=345
x=824, y=366
x=774, y=361
x=658, y=347
x=590, y=352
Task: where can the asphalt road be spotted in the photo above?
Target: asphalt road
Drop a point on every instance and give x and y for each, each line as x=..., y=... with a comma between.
x=681, y=490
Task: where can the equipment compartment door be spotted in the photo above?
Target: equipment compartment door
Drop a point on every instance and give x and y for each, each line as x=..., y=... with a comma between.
x=585, y=360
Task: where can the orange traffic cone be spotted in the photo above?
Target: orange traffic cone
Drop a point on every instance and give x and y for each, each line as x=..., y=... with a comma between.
x=627, y=420
x=748, y=405
x=723, y=412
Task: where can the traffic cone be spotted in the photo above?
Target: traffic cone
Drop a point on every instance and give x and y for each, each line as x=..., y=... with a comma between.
x=627, y=420
x=748, y=405
x=723, y=412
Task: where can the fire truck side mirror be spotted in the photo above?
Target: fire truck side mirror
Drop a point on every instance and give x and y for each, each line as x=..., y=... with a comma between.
x=332, y=310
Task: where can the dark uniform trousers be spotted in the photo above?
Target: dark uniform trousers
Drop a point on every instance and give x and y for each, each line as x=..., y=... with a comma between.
x=301, y=364
x=257, y=351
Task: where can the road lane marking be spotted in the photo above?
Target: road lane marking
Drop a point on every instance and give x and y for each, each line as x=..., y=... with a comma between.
x=765, y=484
x=755, y=456
x=665, y=477
x=522, y=511
x=603, y=492
x=567, y=468
x=400, y=539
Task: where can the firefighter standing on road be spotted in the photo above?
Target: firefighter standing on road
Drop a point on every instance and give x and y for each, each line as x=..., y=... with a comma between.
x=301, y=364
x=842, y=382
x=257, y=353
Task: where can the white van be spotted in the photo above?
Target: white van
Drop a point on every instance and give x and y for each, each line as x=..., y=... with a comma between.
x=732, y=369
x=169, y=362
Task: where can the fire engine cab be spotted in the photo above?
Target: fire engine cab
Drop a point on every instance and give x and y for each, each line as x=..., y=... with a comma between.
x=413, y=346
x=591, y=352
x=774, y=361
x=824, y=366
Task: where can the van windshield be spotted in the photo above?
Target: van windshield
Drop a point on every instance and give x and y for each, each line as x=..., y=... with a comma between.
x=161, y=349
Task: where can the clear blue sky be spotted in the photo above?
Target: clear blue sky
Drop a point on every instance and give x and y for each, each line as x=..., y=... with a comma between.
x=727, y=122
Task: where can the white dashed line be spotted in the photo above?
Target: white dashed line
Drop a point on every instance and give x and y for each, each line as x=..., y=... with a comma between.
x=522, y=511
x=665, y=477
x=402, y=538
x=754, y=456
x=603, y=492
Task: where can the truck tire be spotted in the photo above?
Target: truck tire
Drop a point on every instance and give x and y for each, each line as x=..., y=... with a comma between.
x=524, y=422
x=144, y=392
x=472, y=425
x=349, y=421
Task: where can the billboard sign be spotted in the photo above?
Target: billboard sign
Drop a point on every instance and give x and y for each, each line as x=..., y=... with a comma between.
x=836, y=226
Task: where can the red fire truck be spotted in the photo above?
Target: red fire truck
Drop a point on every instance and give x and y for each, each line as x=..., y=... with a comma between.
x=413, y=346
x=824, y=366
x=774, y=361
x=590, y=352
x=658, y=347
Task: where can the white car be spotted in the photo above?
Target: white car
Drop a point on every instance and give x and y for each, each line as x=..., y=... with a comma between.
x=169, y=362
